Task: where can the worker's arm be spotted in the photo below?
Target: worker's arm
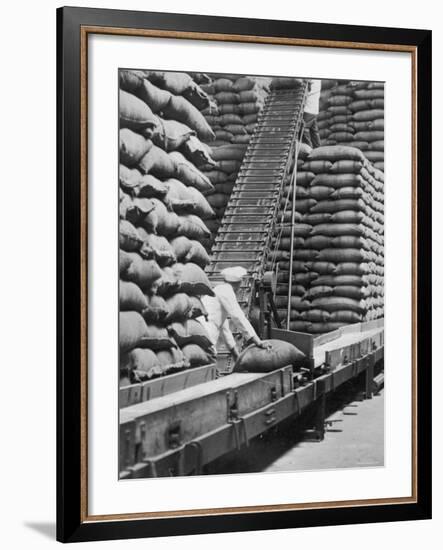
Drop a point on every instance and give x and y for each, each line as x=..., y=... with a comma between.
x=233, y=310
x=229, y=338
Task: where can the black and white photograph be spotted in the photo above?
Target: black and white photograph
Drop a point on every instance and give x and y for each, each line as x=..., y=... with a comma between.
x=251, y=273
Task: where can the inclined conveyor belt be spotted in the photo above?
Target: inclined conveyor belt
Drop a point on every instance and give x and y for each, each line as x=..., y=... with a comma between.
x=245, y=233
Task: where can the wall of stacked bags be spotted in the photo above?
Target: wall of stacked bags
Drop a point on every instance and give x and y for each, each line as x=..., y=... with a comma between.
x=352, y=113
x=338, y=246
x=163, y=212
x=235, y=103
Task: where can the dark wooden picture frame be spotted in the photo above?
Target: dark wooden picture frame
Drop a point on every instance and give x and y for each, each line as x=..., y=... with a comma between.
x=73, y=26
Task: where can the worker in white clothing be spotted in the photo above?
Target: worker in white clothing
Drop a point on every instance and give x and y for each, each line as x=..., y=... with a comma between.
x=224, y=307
x=311, y=111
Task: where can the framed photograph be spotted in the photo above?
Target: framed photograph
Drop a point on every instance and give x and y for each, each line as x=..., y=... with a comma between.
x=244, y=274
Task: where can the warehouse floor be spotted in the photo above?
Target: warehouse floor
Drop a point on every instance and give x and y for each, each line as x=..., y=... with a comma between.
x=357, y=440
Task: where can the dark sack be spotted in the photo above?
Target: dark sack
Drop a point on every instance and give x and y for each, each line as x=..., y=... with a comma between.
x=179, y=307
x=158, y=163
x=280, y=354
x=156, y=310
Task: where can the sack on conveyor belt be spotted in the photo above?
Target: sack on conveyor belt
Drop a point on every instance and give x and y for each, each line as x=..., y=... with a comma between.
x=131, y=298
x=196, y=356
x=280, y=354
x=193, y=280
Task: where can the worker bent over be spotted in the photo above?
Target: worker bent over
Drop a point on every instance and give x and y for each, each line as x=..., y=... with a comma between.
x=224, y=307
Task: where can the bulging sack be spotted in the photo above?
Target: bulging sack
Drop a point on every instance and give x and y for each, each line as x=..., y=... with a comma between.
x=132, y=330
x=136, y=115
x=142, y=272
x=156, y=310
x=133, y=146
x=188, y=174
x=338, y=229
x=179, y=307
x=187, y=250
x=160, y=220
x=129, y=237
x=193, y=227
x=193, y=280
x=335, y=303
x=144, y=365
x=172, y=360
x=157, y=163
x=338, y=180
x=196, y=356
x=131, y=297
x=338, y=255
x=178, y=108
x=317, y=166
x=333, y=206
x=170, y=134
x=190, y=331
x=280, y=354
x=346, y=167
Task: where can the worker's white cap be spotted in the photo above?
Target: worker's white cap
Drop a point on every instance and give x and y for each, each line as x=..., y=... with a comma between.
x=233, y=274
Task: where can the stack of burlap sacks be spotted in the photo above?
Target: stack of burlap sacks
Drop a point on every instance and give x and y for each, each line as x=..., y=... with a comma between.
x=352, y=113
x=338, y=242
x=162, y=213
x=235, y=103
